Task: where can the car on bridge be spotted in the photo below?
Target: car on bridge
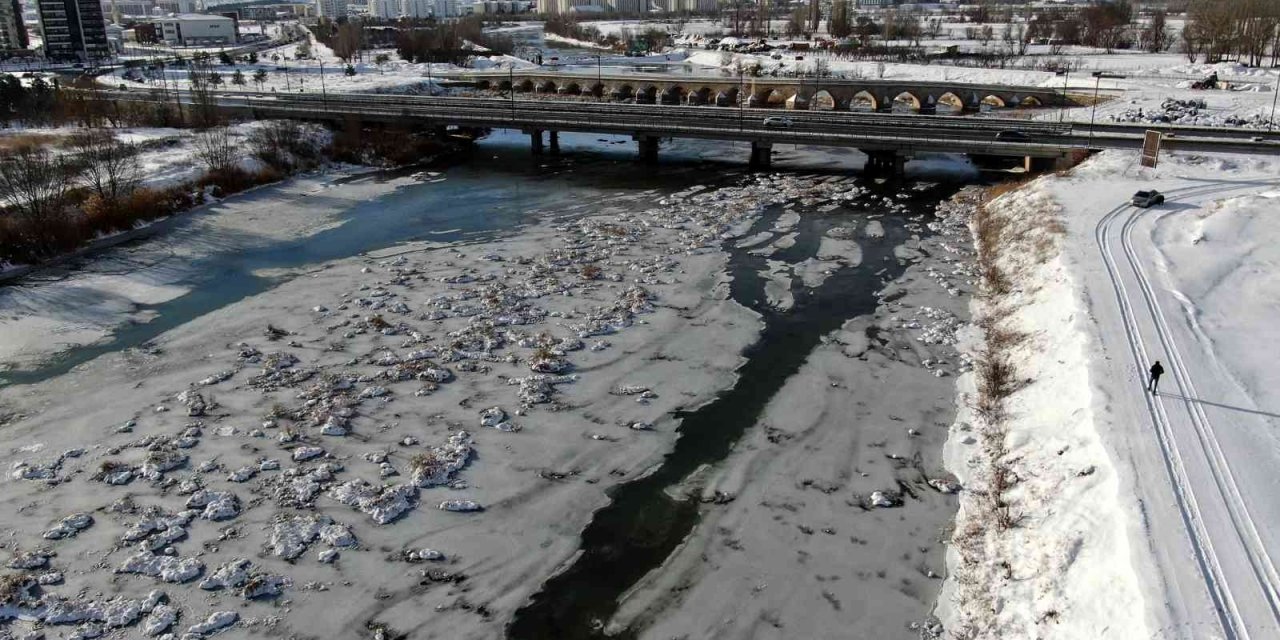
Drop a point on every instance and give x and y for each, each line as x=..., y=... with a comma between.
x=778, y=122
x=1012, y=135
x=1146, y=199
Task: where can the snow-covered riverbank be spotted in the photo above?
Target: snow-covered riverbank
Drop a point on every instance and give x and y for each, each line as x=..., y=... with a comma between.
x=73, y=305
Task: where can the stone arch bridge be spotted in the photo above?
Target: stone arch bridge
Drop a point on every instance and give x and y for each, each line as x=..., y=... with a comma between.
x=784, y=93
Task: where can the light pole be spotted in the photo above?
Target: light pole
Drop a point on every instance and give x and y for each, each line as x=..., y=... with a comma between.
x=1272, y=122
x=1066, y=77
x=511, y=90
x=740, y=99
x=324, y=95
x=1097, y=79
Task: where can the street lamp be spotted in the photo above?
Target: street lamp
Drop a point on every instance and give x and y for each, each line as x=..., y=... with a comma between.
x=599, y=80
x=1272, y=122
x=1097, y=79
x=1066, y=77
x=740, y=100
x=324, y=95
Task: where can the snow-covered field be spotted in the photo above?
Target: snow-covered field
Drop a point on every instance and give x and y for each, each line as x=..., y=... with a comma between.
x=324, y=71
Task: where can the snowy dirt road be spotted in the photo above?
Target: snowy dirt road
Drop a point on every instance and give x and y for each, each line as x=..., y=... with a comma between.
x=1201, y=451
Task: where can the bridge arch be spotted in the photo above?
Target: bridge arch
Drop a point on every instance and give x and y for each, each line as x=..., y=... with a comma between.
x=949, y=103
x=570, y=89
x=647, y=95
x=1029, y=102
x=863, y=101
x=673, y=95
x=504, y=85
x=525, y=86
x=699, y=96
x=993, y=102
x=906, y=101
x=822, y=101
x=623, y=92
x=483, y=85
x=797, y=102
x=728, y=98
x=595, y=89
x=547, y=86
x=768, y=98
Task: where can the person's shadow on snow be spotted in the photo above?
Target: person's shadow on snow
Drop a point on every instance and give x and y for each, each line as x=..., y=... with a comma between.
x=1175, y=396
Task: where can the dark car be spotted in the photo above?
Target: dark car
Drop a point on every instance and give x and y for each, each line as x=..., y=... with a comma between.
x=1146, y=199
x=1011, y=134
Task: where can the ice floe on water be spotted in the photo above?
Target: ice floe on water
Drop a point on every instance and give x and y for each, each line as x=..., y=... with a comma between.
x=383, y=389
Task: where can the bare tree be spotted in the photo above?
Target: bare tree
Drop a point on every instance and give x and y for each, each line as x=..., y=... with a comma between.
x=838, y=24
x=280, y=142
x=109, y=168
x=1156, y=36
x=215, y=150
x=34, y=183
x=200, y=75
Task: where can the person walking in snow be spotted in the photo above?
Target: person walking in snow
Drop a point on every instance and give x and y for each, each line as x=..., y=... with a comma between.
x=1156, y=372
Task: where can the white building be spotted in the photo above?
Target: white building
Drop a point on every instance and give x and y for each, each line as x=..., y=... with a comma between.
x=197, y=29
x=415, y=8
x=178, y=7
x=331, y=8
x=444, y=9
x=384, y=9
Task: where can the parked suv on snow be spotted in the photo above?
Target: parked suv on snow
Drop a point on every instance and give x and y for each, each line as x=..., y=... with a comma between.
x=1146, y=199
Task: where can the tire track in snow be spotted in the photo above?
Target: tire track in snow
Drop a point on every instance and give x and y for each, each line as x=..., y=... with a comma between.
x=1210, y=568
x=1260, y=561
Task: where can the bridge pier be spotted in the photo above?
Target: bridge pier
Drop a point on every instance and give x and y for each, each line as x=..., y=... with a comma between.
x=553, y=140
x=761, y=155
x=648, y=149
x=1058, y=163
x=886, y=162
x=535, y=141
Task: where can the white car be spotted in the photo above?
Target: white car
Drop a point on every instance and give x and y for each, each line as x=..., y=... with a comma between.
x=780, y=122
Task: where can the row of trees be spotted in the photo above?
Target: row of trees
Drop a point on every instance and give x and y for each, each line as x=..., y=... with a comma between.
x=1243, y=30
x=415, y=40
x=1217, y=30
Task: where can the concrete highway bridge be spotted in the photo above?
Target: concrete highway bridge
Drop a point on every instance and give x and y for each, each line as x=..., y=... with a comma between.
x=767, y=92
x=889, y=140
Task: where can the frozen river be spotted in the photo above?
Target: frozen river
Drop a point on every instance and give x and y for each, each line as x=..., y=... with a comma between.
x=524, y=396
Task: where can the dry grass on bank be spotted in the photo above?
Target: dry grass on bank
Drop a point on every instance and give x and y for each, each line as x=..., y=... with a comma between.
x=1012, y=240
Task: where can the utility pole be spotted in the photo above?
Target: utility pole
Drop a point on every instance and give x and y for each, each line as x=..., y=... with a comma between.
x=1272, y=122
x=324, y=94
x=1062, y=110
x=740, y=99
x=1097, y=78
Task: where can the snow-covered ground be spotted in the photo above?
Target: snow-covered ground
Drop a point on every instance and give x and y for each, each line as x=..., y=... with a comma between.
x=324, y=71
x=1198, y=283
x=1145, y=515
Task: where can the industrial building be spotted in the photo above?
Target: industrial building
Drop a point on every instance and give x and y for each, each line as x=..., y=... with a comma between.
x=197, y=29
